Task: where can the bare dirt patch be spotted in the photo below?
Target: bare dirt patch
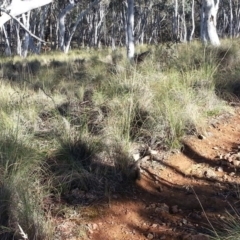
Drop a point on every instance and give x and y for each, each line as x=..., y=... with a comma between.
x=176, y=197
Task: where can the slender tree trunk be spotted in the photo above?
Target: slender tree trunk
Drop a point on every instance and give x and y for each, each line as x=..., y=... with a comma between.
x=175, y=21
x=130, y=27
x=231, y=19
x=26, y=20
x=193, y=21
x=209, y=22
x=19, y=47
x=61, y=24
x=184, y=27
x=124, y=19
x=237, y=19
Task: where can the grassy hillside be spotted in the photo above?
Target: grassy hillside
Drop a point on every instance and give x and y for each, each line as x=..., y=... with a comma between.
x=72, y=121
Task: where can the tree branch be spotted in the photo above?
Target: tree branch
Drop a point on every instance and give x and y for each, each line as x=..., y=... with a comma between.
x=18, y=7
x=31, y=34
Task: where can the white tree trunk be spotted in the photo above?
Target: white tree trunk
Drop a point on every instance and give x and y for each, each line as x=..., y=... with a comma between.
x=18, y=7
x=175, y=21
x=231, y=19
x=193, y=22
x=184, y=27
x=130, y=33
x=65, y=43
x=19, y=45
x=26, y=20
x=61, y=24
x=209, y=22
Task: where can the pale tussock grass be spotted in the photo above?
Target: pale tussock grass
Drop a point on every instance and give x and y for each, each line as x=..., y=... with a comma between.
x=22, y=193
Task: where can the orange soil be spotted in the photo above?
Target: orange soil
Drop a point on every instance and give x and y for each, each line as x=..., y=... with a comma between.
x=176, y=198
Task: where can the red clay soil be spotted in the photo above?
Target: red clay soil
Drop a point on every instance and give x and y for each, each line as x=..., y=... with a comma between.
x=179, y=197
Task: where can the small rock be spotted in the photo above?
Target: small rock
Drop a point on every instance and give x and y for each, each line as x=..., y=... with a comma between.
x=174, y=209
x=236, y=163
x=201, y=137
x=94, y=226
x=231, y=174
x=210, y=174
x=153, y=152
x=227, y=156
x=150, y=236
x=153, y=205
x=230, y=158
x=154, y=225
x=225, y=178
x=220, y=156
x=184, y=221
x=136, y=156
x=219, y=169
x=162, y=208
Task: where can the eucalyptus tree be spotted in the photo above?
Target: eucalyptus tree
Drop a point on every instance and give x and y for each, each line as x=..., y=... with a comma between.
x=61, y=24
x=142, y=20
x=229, y=19
x=209, y=22
x=12, y=10
x=18, y=7
x=236, y=17
x=64, y=42
x=193, y=21
x=176, y=20
x=130, y=30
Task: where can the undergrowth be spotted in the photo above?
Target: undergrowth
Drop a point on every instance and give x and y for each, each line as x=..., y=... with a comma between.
x=69, y=121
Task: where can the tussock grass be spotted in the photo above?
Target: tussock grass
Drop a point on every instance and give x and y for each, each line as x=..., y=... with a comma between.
x=68, y=122
x=228, y=227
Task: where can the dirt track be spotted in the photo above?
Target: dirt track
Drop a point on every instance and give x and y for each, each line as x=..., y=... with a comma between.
x=175, y=195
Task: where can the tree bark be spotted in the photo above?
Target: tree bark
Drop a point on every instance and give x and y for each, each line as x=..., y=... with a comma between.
x=231, y=19
x=130, y=27
x=26, y=19
x=193, y=22
x=61, y=24
x=175, y=21
x=209, y=22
